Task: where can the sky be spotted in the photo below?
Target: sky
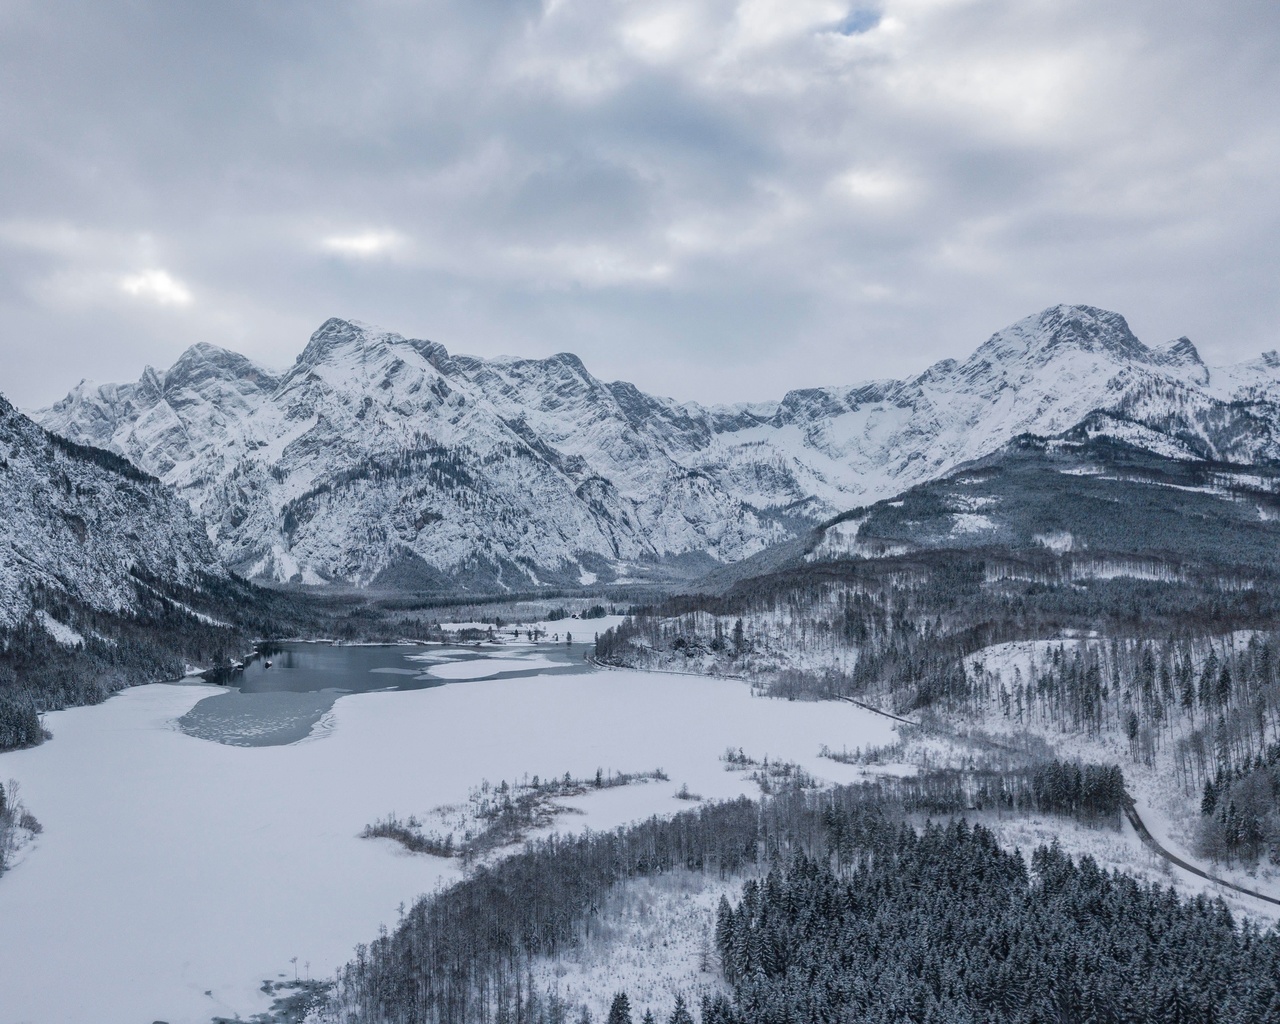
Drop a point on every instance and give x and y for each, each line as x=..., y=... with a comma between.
x=718, y=200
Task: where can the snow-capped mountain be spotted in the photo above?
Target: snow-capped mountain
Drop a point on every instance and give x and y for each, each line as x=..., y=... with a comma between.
x=386, y=460
x=82, y=525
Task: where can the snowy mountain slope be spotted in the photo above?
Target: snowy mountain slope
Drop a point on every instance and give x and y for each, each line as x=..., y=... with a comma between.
x=1077, y=507
x=378, y=459
x=377, y=454
x=1093, y=507
x=78, y=522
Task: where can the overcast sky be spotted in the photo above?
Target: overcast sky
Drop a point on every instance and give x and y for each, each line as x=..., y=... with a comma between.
x=717, y=200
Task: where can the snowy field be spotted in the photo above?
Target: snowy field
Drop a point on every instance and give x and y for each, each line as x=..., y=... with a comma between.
x=175, y=874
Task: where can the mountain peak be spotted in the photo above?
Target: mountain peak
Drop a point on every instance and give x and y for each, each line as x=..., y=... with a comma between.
x=1182, y=355
x=336, y=334
x=1043, y=335
x=202, y=363
x=213, y=357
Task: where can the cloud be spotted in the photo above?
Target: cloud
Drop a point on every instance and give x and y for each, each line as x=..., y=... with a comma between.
x=157, y=286
x=873, y=185
x=717, y=199
x=364, y=244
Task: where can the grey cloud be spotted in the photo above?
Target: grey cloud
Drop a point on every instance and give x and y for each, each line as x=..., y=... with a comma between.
x=720, y=212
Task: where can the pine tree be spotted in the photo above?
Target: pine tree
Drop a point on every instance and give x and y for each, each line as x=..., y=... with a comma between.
x=619, y=1010
x=681, y=1014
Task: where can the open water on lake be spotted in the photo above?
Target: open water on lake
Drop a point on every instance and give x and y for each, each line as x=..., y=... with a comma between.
x=280, y=697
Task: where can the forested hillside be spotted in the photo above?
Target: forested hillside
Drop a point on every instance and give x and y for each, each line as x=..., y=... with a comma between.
x=947, y=926
x=857, y=916
x=1072, y=586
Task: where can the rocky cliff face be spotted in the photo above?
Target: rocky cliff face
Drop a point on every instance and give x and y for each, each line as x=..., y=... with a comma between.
x=379, y=459
x=82, y=525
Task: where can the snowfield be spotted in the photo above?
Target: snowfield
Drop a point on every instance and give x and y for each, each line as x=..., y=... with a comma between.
x=484, y=668
x=175, y=874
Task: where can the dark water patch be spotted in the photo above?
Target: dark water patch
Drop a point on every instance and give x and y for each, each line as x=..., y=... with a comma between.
x=280, y=696
x=264, y=719
x=310, y=668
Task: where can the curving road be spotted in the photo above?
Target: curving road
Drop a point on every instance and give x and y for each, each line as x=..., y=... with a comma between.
x=1131, y=812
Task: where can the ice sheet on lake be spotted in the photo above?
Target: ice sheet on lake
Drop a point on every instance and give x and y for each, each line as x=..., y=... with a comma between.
x=485, y=668
x=170, y=866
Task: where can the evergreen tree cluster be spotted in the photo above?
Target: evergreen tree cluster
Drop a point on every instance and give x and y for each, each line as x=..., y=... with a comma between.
x=1241, y=808
x=553, y=1010
x=945, y=926
x=1090, y=793
x=19, y=723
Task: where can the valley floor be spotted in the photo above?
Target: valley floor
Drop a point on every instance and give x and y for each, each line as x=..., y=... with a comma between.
x=782, y=642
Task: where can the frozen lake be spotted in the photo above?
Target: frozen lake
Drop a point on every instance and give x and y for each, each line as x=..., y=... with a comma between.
x=175, y=873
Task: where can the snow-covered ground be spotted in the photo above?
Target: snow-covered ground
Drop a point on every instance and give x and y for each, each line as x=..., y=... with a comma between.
x=175, y=874
x=654, y=940
x=60, y=632
x=482, y=668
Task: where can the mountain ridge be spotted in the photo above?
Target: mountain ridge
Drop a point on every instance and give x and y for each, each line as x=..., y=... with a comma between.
x=375, y=451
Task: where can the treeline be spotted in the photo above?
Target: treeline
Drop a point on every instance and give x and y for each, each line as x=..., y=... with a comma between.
x=167, y=628
x=595, y=611
x=1090, y=793
x=945, y=926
